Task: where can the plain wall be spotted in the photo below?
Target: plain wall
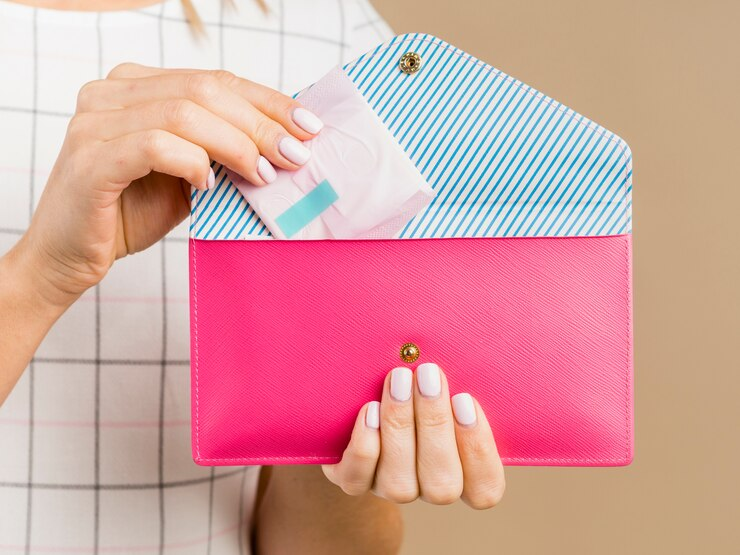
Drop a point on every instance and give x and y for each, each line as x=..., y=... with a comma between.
x=664, y=75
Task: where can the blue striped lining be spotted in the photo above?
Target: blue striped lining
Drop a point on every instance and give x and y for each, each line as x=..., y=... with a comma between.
x=504, y=159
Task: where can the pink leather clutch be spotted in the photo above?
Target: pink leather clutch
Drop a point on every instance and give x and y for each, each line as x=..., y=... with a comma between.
x=515, y=278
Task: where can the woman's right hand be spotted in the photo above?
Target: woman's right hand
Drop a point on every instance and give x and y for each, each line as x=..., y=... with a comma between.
x=419, y=442
x=138, y=140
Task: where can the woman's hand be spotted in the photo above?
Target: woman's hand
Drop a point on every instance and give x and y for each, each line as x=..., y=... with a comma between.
x=411, y=445
x=138, y=140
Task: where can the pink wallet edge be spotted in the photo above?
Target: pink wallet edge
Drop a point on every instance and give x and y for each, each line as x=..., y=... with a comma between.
x=624, y=460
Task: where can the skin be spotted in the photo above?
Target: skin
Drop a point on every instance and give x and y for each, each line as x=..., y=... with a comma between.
x=137, y=141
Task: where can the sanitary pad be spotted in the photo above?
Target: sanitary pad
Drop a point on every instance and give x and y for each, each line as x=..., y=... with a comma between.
x=359, y=183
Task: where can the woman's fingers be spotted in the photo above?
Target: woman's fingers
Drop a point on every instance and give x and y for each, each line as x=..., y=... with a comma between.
x=438, y=463
x=396, y=478
x=222, y=141
x=282, y=108
x=428, y=445
x=205, y=89
x=125, y=159
x=484, y=473
x=356, y=471
x=301, y=122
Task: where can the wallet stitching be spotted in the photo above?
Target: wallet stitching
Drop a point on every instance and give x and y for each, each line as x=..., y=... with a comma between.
x=197, y=358
x=549, y=101
x=629, y=354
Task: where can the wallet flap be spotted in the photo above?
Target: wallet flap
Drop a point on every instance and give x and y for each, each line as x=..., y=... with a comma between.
x=503, y=159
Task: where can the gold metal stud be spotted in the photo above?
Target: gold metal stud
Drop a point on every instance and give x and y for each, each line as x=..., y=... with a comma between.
x=410, y=63
x=409, y=352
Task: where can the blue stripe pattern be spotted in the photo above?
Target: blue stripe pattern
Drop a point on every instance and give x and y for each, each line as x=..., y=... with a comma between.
x=503, y=159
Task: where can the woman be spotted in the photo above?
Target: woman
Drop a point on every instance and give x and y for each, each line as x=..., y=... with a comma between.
x=94, y=449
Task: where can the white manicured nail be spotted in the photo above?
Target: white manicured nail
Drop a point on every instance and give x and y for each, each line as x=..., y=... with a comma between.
x=427, y=376
x=265, y=170
x=464, y=409
x=294, y=150
x=306, y=120
x=211, y=182
x=401, y=380
x=372, y=416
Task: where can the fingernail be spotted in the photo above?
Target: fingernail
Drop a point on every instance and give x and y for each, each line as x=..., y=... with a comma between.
x=306, y=120
x=401, y=380
x=372, y=416
x=464, y=409
x=427, y=376
x=294, y=151
x=265, y=170
x=211, y=182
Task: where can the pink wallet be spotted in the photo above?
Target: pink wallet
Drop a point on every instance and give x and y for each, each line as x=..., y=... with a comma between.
x=515, y=278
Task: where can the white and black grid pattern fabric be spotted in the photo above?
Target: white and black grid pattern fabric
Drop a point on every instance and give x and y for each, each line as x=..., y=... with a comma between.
x=94, y=439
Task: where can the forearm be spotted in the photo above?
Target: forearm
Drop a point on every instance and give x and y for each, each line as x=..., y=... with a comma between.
x=26, y=313
x=302, y=512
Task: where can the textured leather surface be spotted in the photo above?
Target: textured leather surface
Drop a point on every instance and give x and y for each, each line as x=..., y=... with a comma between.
x=291, y=338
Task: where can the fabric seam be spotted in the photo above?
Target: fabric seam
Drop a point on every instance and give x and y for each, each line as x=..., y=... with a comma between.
x=197, y=357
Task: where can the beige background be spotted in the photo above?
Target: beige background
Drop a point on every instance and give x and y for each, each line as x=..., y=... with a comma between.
x=665, y=75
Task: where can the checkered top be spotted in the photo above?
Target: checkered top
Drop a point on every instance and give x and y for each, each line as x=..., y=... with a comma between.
x=94, y=440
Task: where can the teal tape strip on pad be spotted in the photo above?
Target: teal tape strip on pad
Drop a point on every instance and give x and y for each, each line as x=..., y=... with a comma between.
x=307, y=209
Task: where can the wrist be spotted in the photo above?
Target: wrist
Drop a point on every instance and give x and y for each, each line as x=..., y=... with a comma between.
x=28, y=274
x=29, y=306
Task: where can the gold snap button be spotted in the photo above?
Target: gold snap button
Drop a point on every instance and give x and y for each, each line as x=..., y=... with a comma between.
x=409, y=352
x=410, y=62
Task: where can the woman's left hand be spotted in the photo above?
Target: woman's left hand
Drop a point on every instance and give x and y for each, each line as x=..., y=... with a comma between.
x=417, y=442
